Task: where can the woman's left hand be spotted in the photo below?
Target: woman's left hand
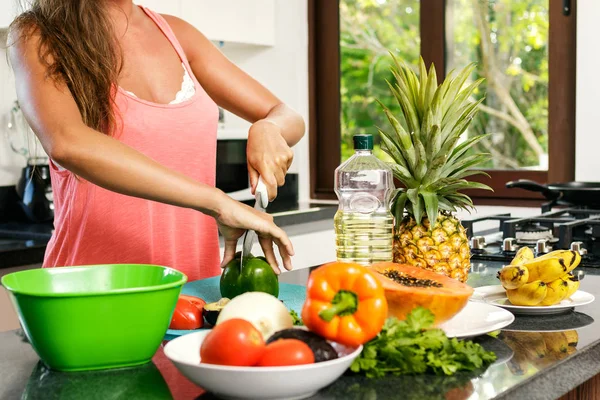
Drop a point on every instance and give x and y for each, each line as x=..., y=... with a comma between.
x=269, y=156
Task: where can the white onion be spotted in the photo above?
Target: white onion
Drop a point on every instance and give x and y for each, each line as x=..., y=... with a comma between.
x=266, y=312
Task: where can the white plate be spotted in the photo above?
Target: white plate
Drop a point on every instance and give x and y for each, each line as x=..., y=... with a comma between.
x=285, y=383
x=496, y=295
x=477, y=319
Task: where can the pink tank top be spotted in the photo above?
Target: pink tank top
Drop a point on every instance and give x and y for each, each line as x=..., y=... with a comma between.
x=97, y=226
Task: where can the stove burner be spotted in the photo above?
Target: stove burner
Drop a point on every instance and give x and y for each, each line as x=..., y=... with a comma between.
x=531, y=232
x=576, y=228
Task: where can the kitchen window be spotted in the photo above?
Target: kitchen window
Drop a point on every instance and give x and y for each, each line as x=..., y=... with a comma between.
x=524, y=49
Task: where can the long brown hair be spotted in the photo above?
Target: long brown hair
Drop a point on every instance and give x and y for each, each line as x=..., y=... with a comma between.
x=78, y=47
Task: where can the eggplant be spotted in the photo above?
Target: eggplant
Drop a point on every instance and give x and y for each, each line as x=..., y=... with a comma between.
x=321, y=348
x=212, y=310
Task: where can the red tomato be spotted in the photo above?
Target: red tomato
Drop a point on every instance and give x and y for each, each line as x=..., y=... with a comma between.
x=186, y=316
x=286, y=352
x=234, y=342
x=197, y=301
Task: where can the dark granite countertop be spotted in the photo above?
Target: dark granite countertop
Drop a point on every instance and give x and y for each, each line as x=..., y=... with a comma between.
x=520, y=373
x=24, y=243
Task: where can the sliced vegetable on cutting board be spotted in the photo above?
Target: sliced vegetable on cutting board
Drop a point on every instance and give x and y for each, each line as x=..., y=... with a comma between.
x=267, y=313
x=235, y=342
x=212, y=310
x=344, y=303
x=188, y=313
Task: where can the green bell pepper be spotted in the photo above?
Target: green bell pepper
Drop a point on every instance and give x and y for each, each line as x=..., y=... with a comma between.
x=256, y=276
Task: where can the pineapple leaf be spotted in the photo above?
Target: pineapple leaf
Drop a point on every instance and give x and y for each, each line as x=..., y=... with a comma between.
x=451, y=169
x=403, y=175
x=445, y=204
x=471, y=172
x=421, y=169
x=392, y=150
x=412, y=119
x=433, y=133
x=456, y=85
x=398, y=208
x=453, y=132
x=415, y=200
x=461, y=185
x=423, y=88
x=405, y=145
x=456, y=108
x=431, y=88
x=431, y=206
x=462, y=148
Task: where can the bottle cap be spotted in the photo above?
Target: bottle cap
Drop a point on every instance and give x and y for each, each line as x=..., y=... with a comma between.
x=363, y=142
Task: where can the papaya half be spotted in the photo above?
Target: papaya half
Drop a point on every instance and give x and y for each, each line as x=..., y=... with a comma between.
x=407, y=287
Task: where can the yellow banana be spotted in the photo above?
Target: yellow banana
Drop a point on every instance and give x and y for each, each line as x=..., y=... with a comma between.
x=556, y=342
x=513, y=276
x=555, y=253
x=572, y=337
x=557, y=291
x=523, y=255
x=530, y=294
x=572, y=283
x=547, y=269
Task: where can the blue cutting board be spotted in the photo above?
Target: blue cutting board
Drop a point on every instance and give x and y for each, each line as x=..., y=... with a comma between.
x=293, y=297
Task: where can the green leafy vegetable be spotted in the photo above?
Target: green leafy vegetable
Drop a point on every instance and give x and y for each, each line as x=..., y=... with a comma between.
x=414, y=347
x=296, y=318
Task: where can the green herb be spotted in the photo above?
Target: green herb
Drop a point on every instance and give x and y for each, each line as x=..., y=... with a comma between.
x=414, y=347
x=296, y=318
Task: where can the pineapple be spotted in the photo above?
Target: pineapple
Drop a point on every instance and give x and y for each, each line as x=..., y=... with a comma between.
x=432, y=167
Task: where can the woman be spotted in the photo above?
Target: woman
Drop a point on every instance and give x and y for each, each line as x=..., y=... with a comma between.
x=133, y=150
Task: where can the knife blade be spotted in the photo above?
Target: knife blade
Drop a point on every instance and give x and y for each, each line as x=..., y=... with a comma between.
x=261, y=202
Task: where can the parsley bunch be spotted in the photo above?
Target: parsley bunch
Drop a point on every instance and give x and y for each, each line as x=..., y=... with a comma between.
x=414, y=347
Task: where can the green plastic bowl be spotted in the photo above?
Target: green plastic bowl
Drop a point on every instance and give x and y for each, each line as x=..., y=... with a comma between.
x=95, y=317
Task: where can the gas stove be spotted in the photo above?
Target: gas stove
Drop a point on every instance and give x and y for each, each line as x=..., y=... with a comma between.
x=577, y=229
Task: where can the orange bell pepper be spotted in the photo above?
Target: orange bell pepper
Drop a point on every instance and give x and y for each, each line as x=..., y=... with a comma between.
x=344, y=303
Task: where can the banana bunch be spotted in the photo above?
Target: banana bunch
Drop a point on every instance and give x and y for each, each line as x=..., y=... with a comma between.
x=538, y=349
x=540, y=281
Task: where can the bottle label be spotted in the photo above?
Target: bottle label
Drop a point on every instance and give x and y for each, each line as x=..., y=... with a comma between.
x=372, y=177
x=364, y=203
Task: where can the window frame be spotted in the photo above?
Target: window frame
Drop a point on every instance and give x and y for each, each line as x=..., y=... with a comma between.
x=325, y=102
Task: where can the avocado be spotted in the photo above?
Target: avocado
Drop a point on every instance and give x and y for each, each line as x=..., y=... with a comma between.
x=212, y=310
x=322, y=350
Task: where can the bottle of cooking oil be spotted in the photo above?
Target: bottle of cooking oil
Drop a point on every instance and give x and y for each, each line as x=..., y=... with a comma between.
x=363, y=223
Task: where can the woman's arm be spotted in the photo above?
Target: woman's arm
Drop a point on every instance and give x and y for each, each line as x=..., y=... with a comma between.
x=53, y=115
x=236, y=91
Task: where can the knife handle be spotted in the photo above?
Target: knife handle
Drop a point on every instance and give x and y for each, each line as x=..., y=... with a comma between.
x=261, y=193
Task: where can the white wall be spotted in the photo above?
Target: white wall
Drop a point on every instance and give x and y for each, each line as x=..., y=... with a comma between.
x=587, y=162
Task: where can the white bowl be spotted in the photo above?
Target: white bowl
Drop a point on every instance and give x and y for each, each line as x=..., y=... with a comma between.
x=289, y=383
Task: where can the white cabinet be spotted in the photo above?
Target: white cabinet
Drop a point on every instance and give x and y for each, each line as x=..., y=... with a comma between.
x=8, y=12
x=234, y=21
x=161, y=6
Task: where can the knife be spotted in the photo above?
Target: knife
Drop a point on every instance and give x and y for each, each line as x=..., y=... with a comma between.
x=261, y=202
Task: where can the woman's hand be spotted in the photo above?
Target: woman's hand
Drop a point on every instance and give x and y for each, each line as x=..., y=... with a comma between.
x=235, y=218
x=269, y=156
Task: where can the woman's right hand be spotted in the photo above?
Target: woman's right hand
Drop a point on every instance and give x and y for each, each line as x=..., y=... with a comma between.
x=234, y=218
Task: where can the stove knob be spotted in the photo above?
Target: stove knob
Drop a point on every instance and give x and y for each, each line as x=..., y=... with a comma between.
x=508, y=244
x=542, y=246
x=477, y=242
x=578, y=246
